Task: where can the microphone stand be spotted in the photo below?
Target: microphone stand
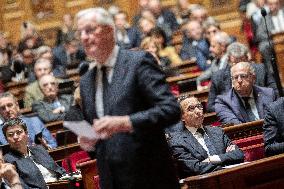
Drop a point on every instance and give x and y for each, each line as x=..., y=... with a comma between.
x=272, y=58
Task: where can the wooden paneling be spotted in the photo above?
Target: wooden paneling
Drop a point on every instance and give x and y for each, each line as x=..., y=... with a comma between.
x=47, y=14
x=278, y=41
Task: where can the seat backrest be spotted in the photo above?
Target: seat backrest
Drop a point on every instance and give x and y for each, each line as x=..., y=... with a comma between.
x=71, y=161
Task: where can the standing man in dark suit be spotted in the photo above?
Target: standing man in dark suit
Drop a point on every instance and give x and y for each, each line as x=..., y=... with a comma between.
x=127, y=101
x=201, y=149
x=273, y=128
x=245, y=102
x=221, y=81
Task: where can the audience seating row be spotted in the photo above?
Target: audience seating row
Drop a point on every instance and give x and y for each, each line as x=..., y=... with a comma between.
x=261, y=174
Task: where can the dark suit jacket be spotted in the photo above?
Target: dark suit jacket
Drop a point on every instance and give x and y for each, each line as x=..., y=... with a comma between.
x=274, y=128
x=134, y=36
x=60, y=60
x=140, y=159
x=221, y=82
x=189, y=154
x=30, y=175
x=200, y=52
x=261, y=34
x=44, y=108
x=230, y=109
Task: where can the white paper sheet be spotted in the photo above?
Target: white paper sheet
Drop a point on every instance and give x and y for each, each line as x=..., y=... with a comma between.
x=81, y=128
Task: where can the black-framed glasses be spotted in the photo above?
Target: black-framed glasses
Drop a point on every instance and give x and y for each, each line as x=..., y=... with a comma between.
x=242, y=76
x=191, y=108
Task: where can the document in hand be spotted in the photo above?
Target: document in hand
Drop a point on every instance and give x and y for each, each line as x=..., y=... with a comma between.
x=81, y=128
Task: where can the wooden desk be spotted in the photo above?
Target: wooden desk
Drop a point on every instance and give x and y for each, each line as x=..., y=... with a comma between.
x=54, y=126
x=244, y=130
x=88, y=170
x=183, y=77
x=260, y=174
x=59, y=153
x=278, y=43
x=201, y=95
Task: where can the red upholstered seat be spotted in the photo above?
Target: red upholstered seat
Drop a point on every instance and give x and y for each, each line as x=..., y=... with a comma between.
x=249, y=141
x=254, y=152
x=253, y=147
x=97, y=182
x=74, y=158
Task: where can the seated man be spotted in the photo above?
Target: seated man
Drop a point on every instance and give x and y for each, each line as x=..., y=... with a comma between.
x=33, y=163
x=274, y=21
x=32, y=91
x=273, y=128
x=245, y=102
x=194, y=45
x=221, y=81
x=9, y=177
x=53, y=106
x=9, y=109
x=201, y=149
x=218, y=45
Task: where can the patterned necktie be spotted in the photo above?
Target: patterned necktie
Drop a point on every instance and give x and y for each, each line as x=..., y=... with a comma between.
x=248, y=109
x=208, y=143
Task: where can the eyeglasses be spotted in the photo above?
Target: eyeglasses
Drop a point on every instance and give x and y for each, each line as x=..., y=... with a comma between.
x=242, y=76
x=191, y=108
x=17, y=132
x=87, y=31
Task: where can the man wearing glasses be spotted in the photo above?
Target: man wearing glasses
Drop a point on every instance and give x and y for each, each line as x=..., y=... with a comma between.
x=201, y=149
x=245, y=102
x=127, y=101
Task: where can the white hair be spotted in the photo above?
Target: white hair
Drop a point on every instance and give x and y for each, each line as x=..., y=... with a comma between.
x=244, y=65
x=102, y=16
x=222, y=38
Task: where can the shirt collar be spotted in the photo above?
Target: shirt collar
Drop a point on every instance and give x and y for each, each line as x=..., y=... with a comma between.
x=110, y=62
x=193, y=130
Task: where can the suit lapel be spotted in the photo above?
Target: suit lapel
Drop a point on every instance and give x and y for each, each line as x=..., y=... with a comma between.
x=214, y=138
x=238, y=107
x=192, y=142
x=115, y=86
x=90, y=94
x=259, y=101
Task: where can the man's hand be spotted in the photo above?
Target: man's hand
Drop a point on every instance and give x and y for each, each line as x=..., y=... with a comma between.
x=58, y=110
x=86, y=143
x=110, y=125
x=231, y=148
x=9, y=173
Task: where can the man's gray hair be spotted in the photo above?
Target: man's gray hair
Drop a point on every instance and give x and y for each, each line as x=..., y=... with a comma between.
x=237, y=50
x=101, y=15
x=222, y=38
x=43, y=60
x=8, y=94
x=246, y=65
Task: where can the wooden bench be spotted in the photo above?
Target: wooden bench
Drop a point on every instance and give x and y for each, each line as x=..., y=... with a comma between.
x=260, y=174
x=278, y=42
x=59, y=153
x=88, y=170
x=244, y=130
x=54, y=126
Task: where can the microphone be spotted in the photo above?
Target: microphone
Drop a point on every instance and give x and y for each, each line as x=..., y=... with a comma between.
x=272, y=58
x=263, y=12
